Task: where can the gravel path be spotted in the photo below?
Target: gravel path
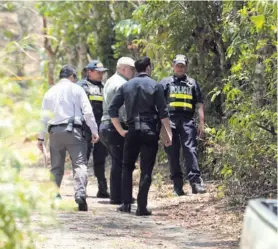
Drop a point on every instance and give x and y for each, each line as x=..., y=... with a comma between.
x=102, y=227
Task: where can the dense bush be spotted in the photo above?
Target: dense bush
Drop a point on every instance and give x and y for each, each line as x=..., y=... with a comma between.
x=23, y=193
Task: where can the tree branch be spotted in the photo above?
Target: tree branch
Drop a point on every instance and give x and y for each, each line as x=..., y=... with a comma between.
x=271, y=130
x=182, y=6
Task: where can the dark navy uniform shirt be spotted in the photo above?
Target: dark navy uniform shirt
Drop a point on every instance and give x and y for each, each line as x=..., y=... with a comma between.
x=182, y=95
x=94, y=91
x=142, y=97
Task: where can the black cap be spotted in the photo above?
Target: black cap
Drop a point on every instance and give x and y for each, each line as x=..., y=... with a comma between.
x=67, y=71
x=142, y=64
x=96, y=65
x=180, y=59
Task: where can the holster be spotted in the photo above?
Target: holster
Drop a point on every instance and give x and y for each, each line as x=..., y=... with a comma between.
x=150, y=122
x=86, y=132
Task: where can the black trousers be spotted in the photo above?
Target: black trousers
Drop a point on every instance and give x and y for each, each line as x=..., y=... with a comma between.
x=184, y=135
x=144, y=143
x=114, y=143
x=99, y=153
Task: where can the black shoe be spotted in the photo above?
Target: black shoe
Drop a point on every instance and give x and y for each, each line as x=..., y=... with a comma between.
x=143, y=212
x=82, y=204
x=179, y=191
x=102, y=189
x=115, y=202
x=103, y=194
x=120, y=202
x=125, y=208
x=197, y=188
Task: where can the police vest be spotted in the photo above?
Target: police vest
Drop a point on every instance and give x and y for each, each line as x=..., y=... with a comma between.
x=180, y=95
x=95, y=95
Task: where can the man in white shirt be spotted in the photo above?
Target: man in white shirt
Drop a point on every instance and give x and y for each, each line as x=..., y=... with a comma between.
x=64, y=107
x=109, y=135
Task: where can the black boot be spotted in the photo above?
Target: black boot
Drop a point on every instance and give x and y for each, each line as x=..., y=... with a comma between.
x=103, y=194
x=102, y=189
x=143, y=212
x=82, y=204
x=198, y=188
x=113, y=202
x=179, y=191
x=125, y=208
x=178, y=185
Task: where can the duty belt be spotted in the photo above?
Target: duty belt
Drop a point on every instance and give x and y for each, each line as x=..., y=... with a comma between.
x=63, y=125
x=109, y=122
x=142, y=118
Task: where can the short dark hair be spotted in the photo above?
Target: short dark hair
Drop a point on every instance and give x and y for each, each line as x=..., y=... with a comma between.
x=142, y=64
x=67, y=71
x=84, y=73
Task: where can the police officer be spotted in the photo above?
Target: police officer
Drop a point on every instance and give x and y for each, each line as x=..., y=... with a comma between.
x=94, y=89
x=145, y=107
x=108, y=134
x=183, y=96
x=63, y=108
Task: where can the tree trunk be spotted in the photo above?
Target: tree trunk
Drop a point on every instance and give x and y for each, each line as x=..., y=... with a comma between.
x=72, y=56
x=51, y=69
x=51, y=54
x=82, y=54
x=259, y=86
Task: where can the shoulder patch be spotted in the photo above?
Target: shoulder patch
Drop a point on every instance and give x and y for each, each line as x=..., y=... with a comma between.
x=190, y=81
x=166, y=81
x=81, y=82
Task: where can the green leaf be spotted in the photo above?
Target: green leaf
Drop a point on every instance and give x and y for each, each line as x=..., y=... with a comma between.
x=215, y=95
x=244, y=11
x=258, y=21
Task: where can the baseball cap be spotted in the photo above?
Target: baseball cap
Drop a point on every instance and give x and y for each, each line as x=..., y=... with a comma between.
x=180, y=59
x=126, y=61
x=96, y=65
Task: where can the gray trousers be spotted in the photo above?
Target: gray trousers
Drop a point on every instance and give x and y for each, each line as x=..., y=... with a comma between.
x=73, y=142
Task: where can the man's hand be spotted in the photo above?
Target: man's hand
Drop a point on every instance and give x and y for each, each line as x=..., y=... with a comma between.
x=118, y=126
x=201, y=127
x=95, y=138
x=123, y=133
x=40, y=145
x=166, y=132
x=167, y=143
x=201, y=130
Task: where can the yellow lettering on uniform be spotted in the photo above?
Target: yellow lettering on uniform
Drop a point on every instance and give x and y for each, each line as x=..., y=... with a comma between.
x=180, y=104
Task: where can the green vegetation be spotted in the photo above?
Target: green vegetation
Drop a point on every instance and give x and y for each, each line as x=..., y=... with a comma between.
x=21, y=197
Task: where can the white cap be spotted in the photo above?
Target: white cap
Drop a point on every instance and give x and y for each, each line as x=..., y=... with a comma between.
x=126, y=61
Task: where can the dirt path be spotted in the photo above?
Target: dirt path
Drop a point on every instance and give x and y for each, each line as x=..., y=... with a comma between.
x=104, y=228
